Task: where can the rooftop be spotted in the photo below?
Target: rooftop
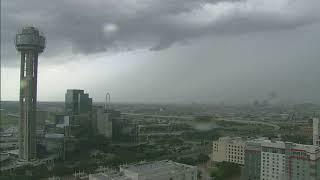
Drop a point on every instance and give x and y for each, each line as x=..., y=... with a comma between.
x=109, y=175
x=231, y=139
x=157, y=168
x=282, y=145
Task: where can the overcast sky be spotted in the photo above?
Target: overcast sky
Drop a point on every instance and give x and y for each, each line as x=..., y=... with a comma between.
x=234, y=51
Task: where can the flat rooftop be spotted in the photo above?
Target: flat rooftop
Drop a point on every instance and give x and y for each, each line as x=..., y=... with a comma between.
x=109, y=176
x=282, y=145
x=157, y=168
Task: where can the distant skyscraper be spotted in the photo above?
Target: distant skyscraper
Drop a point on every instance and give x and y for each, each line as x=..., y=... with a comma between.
x=316, y=140
x=77, y=102
x=104, y=118
x=104, y=122
x=29, y=42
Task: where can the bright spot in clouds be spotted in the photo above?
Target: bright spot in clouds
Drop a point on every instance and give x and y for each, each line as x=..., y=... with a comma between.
x=110, y=28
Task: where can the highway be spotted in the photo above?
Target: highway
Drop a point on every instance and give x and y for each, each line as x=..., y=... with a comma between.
x=189, y=118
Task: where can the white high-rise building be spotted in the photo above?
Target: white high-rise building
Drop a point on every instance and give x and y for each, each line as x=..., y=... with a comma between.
x=316, y=138
x=229, y=149
x=273, y=161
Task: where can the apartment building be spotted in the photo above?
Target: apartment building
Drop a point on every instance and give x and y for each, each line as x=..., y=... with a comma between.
x=252, y=166
x=229, y=149
x=279, y=160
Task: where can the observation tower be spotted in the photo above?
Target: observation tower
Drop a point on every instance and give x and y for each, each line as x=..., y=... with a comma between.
x=30, y=43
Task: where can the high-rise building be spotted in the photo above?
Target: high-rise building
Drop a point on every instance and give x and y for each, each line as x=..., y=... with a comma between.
x=104, y=122
x=29, y=42
x=229, y=149
x=281, y=161
x=252, y=165
x=77, y=102
x=42, y=117
x=316, y=139
x=273, y=157
x=104, y=118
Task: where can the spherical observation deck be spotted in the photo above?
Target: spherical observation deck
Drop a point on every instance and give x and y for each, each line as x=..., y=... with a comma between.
x=29, y=38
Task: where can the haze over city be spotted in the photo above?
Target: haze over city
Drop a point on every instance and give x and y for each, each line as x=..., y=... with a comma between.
x=179, y=51
x=160, y=90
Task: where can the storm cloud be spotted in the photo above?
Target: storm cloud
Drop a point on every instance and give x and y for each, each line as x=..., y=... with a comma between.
x=87, y=27
x=233, y=51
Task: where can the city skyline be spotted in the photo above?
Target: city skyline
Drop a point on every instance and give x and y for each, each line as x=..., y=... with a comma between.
x=201, y=90
x=265, y=46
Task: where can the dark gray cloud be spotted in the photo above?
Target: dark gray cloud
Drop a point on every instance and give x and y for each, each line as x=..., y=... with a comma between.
x=97, y=25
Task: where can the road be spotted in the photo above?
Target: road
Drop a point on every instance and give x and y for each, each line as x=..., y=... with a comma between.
x=276, y=127
x=189, y=118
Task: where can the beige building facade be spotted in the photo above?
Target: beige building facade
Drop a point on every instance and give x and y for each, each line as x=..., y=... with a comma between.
x=229, y=149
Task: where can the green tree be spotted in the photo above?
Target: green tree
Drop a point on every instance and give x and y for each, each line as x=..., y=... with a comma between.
x=202, y=158
x=226, y=170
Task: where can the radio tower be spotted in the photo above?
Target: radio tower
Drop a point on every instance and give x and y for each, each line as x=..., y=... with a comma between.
x=29, y=42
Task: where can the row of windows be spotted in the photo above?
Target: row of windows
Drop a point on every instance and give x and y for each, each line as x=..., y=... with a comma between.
x=273, y=150
x=235, y=157
x=237, y=150
x=272, y=154
x=267, y=175
x=235, y=153
x=274, y=171
x=235, y=161
x=236, y=146
x=266, y=164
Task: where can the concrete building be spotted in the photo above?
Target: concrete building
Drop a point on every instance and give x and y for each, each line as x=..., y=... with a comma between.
x=252, y=165
x=42, y=117
x=156, y=170
x=303, y=161
x=273, y=161
x=109, y=174
x=123, y=129
x=316, y=139
x=159, y=170
x=103, y=118
x=77, y=102
x=78, y=106
x=62, y=120
x=307, y=131
x=281, y=161
x=29, y=42
x=229, y=149
x=104, y=122
x=54, y=144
